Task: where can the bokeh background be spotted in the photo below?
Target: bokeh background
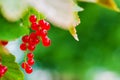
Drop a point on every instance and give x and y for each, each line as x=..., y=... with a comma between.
x=95, y=57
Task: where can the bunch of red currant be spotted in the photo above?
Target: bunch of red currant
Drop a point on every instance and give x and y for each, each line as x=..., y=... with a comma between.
x=3, y=70
x=30, y=41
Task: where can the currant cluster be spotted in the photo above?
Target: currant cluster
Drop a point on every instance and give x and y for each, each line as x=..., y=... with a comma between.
x=30, y=41
x=3, y=70
x=4, y=43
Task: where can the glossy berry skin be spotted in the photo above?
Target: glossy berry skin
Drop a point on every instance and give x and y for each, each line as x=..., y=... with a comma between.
x=23, y=46
x=4, y=43
x=31, y=62
x=24, y=65
x=31, y=47
x=42, y=32
x=46, y=41
x=25, y=38
x=44, y=25
x=35, y=26
x=33, y=35
x=29, y=70
x=30, y=55
x=33, y=18
x=3, y=70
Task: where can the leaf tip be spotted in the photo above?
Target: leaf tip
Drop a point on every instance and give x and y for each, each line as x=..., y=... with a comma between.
x=73, y=32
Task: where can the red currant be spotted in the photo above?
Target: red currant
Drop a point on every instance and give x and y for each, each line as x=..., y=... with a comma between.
x=30, y=55
x=42, y=32
x=33, y=35
x=25, y=38
x=29, y=70
x=24, y=65
x=35, y=26
x=30, y=62
x=33, y=18
x=46, y=41
x=4, y=43
x=31, y=47
x=44, y=25
x=23, y=46
x=4, y=68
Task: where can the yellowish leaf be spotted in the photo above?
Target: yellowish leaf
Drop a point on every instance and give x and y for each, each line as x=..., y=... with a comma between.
x=109, y=4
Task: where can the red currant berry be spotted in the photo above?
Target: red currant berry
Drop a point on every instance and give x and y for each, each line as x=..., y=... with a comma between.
x=1, y=72
x=35, y=26
x=29, y=70
x=4, y=68
x=33, y=18
x=42, y=32
x=46, y=41
x=30, y=62
x=23, y=46
x=4, y=43
x=30, y=55
x=24, y=65
x=31, y=47
x=36, y=41
x=25, y=38
x=44, y=25
x=33, y=35
x=41, y=23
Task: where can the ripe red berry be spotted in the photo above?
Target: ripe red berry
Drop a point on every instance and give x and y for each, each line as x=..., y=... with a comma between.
x=25, y=38
x=31, y=47
x=30, y=55
x=44, y=25
x=46, y=41
x=23, y=46
x=1, y=72
x=33, y=35
x=4, y=43
x=24, y=65
x=33, y=18
x=29, y=70
x=35, y=26
x=4, y=68
x=30, y=62
x=42, y=32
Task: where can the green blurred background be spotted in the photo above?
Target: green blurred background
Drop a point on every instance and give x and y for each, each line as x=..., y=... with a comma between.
x=97, y=50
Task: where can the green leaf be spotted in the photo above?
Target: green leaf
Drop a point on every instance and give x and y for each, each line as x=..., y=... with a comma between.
x=11, y=30
x=8, y=60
